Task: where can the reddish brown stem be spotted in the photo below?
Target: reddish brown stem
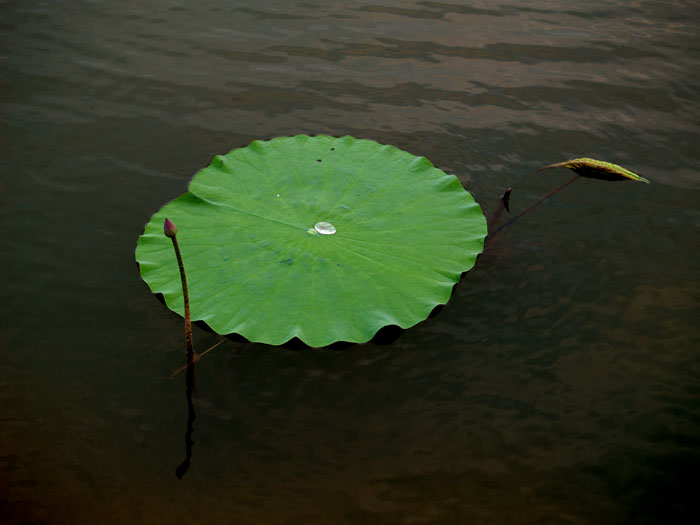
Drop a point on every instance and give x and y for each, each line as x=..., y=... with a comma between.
x=196, y=359
x=186, y=298
x=533, y=205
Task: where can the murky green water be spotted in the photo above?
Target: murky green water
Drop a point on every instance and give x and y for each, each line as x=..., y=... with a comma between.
x=561, y=384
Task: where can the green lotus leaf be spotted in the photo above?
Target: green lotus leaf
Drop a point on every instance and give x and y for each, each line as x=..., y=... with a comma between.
x=321, y=238
x=597, y=169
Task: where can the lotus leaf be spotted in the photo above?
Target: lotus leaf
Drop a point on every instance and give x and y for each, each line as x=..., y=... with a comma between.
x=321, y=238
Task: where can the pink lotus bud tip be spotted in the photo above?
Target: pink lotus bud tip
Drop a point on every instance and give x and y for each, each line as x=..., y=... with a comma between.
x=169, y=228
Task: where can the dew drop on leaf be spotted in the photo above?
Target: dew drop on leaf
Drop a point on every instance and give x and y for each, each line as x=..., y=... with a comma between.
x=324, y=228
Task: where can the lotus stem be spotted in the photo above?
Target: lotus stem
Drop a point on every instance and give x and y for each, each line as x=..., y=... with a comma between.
x=190, y=364
x=533, y=205
x=170, y=230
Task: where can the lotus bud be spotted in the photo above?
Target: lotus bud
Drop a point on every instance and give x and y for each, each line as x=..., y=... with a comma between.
x=169, y=228
x=506, y=199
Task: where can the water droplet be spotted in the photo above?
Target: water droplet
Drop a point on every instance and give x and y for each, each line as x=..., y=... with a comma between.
x=324, y=228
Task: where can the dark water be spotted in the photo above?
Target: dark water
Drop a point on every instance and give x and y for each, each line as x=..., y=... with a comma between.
x=561, y=384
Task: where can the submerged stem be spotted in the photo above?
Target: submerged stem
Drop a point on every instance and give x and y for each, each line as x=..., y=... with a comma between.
x=183, y=467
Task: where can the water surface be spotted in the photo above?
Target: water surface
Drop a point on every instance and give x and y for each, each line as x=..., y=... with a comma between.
x=559, y=385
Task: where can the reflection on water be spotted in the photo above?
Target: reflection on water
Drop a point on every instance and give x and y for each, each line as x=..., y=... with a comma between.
x=183, y=467
x=558, y=385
